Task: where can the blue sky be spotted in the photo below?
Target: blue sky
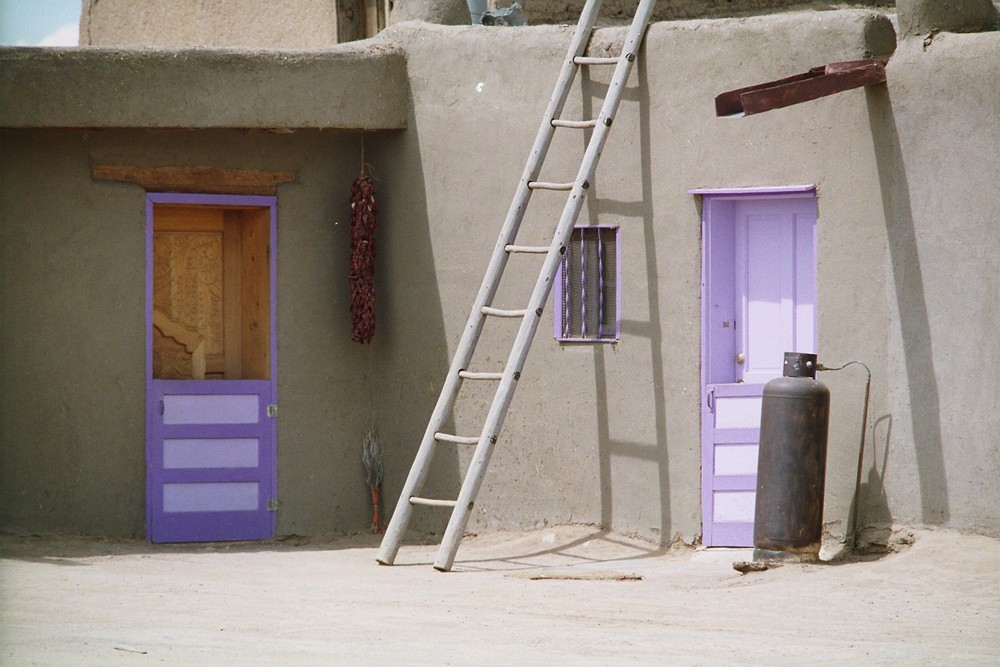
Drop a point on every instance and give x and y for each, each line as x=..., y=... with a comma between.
x=39, y=22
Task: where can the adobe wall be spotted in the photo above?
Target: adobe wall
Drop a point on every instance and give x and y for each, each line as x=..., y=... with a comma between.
x=72, y=344
x=617, y=11
x=302, y=24
x=605, y=435
x=308, y=24
x=936, y=139
x=610, y=434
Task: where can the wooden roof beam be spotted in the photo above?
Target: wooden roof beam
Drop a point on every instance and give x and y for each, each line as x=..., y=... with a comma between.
x=817, y=82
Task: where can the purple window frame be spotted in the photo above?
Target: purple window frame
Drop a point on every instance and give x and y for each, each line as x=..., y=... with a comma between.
x=560, y=297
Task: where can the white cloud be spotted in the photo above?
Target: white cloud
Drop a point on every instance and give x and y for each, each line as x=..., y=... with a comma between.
x=64, y=35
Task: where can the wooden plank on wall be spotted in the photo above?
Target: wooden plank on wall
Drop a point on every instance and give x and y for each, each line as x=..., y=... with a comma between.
x=231, y=295
x=256, y=299
x=213, y=180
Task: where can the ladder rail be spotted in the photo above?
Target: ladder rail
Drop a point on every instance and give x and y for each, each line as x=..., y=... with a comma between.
x=531, y=316
x=529, y=325
x=491, y=281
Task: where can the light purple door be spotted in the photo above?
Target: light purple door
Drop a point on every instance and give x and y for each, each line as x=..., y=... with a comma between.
x=210, y=368
x=759, y=301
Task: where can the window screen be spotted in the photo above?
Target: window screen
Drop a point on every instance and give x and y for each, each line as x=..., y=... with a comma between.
x=587, y=287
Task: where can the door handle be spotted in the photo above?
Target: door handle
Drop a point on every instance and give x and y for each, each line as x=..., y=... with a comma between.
x=740, y=358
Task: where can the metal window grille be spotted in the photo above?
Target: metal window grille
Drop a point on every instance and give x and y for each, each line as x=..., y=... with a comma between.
x=587, y=286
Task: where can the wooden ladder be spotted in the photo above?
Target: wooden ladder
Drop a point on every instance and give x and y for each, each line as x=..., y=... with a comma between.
x=531, y=314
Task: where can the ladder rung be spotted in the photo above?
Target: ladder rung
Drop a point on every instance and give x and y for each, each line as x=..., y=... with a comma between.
x=470, y=375
x=500, y=312
x=432, y=502
x=458, y=439
x=587, y=60
x=578, y=124
x=542, y=185
x=537, y=249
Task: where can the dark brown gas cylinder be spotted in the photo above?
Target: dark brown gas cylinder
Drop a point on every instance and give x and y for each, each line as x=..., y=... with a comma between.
x=791, y=465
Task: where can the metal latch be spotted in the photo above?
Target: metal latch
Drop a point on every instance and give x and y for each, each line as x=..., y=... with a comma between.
x=272, y=504
x=272, y=410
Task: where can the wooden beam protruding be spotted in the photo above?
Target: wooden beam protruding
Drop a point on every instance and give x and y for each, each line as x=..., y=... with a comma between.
x=817, y=82
x=206, y=180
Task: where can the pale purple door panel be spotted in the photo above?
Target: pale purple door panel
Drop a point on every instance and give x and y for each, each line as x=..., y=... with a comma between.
x=729, y=464
x=775, y=296
x=758, y=302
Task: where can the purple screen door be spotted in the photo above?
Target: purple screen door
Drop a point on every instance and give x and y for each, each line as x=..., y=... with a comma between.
x=210, y=368
x=758, y=302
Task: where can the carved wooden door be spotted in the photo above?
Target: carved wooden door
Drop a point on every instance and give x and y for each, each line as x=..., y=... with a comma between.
x=210, y=445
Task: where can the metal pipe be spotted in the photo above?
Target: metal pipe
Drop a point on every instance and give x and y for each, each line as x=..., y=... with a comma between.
x=861, y=449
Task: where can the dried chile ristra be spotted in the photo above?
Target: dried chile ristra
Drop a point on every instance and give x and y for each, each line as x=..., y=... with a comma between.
x=362, y=267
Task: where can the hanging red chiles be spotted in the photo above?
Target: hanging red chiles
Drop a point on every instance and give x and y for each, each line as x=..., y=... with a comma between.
x=362, y=272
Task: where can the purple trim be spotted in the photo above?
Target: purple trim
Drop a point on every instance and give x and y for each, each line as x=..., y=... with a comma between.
x=600, y=285
x=759, y=191
x=736, y=390
x=261, y=201
x=209, y=526
x=151, y=412
x=735, y=483
x=206, y=475
x=560, y=312
x=737, y=436
x=583, y=284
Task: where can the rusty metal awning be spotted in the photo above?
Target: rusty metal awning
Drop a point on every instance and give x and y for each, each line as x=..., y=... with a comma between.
x=817, y=82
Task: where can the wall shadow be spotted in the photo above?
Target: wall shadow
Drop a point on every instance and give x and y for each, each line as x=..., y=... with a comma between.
x=650, y=331
x=914, y=320
x=410, y=350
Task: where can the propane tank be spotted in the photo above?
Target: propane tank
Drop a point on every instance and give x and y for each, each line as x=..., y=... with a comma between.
x=791, y=464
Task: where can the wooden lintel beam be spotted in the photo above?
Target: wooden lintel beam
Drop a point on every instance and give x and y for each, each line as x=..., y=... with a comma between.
x=211, y=180
x=817, y=82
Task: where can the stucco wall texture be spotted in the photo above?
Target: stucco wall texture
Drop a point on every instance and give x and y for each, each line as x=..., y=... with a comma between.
x=606, y=435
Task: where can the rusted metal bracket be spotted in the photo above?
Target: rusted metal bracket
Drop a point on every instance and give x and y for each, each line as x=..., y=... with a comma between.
x=817, y=82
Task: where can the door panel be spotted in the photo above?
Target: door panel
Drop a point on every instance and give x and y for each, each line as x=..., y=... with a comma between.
x=210, y=451
x=210, y=461
x=759, y=297
x=733, y=433
x=773, y=291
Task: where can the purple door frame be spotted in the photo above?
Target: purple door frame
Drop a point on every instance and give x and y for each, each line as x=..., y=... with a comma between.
x=230, y=494
x=734, y=433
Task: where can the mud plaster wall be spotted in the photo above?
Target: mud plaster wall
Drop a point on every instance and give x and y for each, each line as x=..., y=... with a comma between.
x=603, y=435
x=72, y=344
x=299, y=24
x=305, y=24
x=566, y=11
x=937, y=144
x=609, y=435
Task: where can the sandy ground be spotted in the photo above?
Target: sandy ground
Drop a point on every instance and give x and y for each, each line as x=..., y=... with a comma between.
x=561, y=596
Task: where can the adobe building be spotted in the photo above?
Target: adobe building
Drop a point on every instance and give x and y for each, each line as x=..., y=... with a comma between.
x=175, y=251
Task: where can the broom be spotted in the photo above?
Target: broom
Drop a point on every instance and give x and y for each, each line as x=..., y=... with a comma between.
x=371, y=457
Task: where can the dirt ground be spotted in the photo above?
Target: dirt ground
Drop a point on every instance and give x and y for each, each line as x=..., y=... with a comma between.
x=558, y=596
